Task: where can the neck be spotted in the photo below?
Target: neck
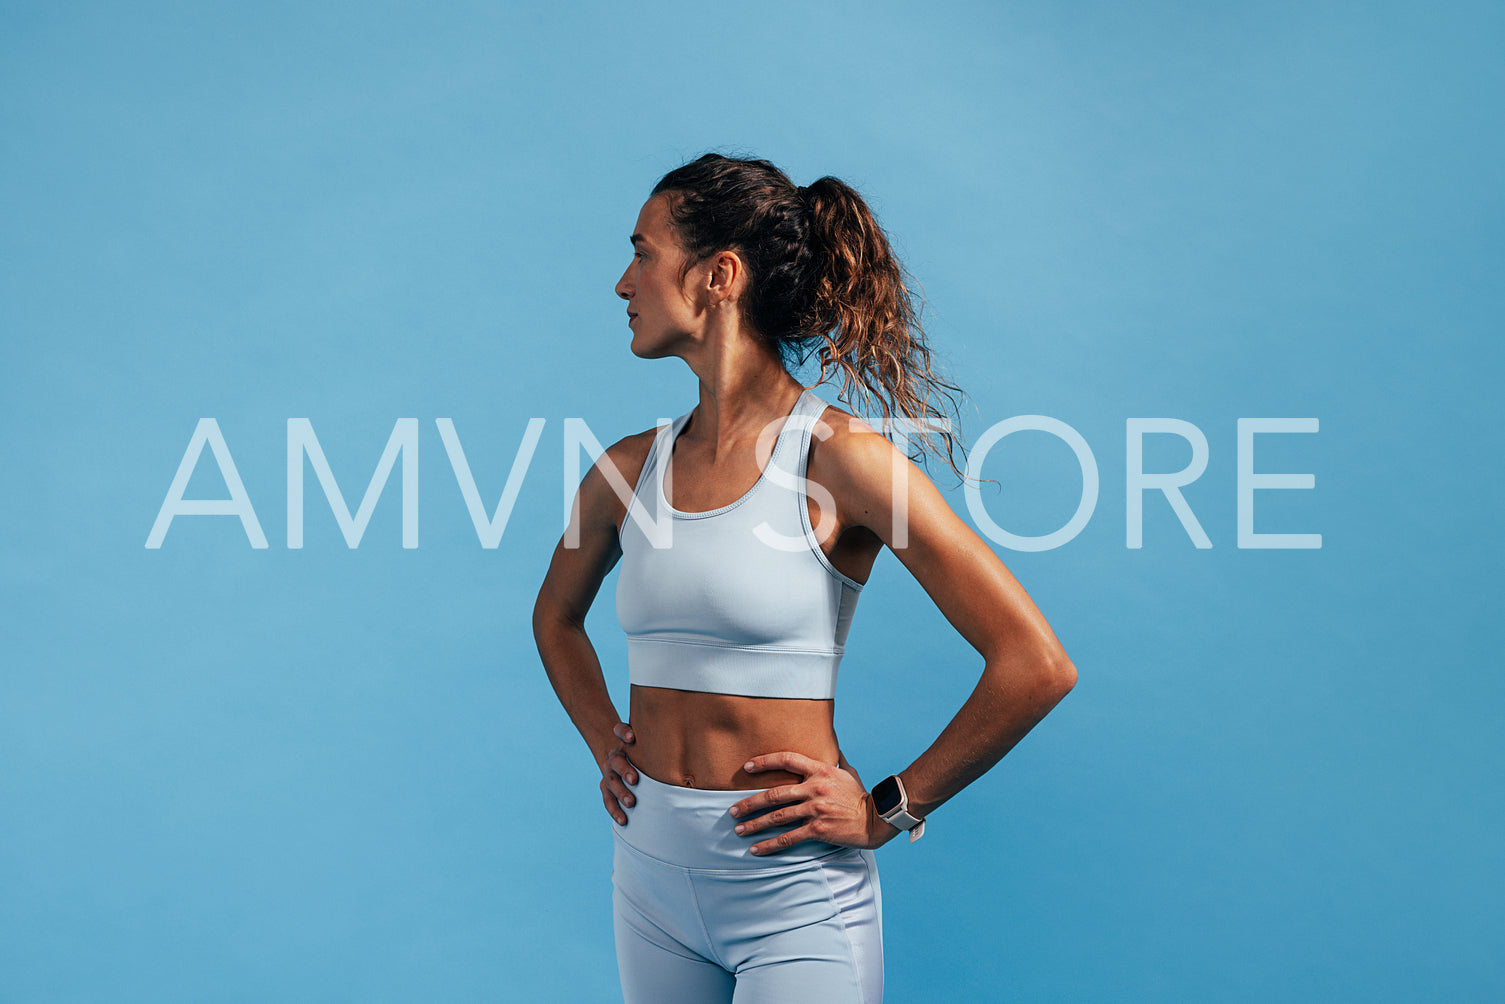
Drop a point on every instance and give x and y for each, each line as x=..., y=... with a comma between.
x=743, y=387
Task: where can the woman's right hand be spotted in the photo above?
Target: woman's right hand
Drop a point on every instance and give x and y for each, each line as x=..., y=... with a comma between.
x=617, y=772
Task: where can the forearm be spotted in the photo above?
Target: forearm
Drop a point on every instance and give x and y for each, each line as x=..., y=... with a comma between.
x=1013, y=695
x=575, y=673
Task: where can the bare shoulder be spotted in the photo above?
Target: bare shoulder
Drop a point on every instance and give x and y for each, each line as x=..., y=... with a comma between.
x=629, y=453
x=848, y=450
x=873, y=483
x=609, y=483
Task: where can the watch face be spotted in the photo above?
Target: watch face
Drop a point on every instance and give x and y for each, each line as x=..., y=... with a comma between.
x=886, y=795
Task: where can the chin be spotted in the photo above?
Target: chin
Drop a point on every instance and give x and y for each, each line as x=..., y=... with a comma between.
x=648, y=351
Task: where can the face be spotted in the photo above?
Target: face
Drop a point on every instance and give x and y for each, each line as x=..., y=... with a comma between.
x=661, y=311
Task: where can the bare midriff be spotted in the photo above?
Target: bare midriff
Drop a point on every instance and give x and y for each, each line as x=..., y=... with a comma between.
x=699, y=740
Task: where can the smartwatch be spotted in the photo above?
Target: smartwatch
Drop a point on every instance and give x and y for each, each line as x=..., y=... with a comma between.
x=892, y=803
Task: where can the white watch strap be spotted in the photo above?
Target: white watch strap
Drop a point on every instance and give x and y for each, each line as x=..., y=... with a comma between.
x=905, y=821
x=899, y=815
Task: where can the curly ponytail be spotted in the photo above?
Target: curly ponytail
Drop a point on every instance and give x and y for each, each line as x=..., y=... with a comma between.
x=822, y=279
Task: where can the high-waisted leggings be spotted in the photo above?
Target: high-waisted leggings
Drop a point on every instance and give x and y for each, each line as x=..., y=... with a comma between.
x=699, y=918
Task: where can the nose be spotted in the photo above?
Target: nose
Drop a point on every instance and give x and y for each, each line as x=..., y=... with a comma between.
x=624, y=285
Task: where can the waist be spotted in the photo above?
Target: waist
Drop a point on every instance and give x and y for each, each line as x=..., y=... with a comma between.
x=691, y=828
x=699, y=740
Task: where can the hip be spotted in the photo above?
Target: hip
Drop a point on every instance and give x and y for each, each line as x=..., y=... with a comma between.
x=692, y=828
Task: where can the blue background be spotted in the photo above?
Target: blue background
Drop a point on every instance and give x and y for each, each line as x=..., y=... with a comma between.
x=329, y=774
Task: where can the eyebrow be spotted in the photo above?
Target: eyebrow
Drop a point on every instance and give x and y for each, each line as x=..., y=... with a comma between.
x=636, y=239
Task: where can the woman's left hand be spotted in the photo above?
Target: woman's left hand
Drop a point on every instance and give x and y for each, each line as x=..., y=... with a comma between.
x=831, y=801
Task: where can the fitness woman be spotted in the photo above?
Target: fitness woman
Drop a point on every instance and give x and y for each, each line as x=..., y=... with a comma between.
x=743, y=866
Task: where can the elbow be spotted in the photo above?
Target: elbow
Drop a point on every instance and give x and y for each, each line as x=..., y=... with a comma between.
x=542, y=618
x=1054, y=674
x=1061, y=675
x=1041, y=675
x=550, y=616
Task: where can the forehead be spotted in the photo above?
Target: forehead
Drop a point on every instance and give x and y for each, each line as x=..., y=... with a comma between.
x=653, y=221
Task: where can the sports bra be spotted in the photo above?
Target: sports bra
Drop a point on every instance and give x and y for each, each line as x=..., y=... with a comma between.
x=736, y=600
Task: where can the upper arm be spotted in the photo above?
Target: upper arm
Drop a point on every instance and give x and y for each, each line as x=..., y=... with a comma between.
x=876, y=487
x=589, y=548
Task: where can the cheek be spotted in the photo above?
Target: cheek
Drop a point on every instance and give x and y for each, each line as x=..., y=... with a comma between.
x=668, y=296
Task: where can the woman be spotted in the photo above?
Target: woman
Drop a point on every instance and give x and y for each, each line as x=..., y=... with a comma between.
x=743, y=865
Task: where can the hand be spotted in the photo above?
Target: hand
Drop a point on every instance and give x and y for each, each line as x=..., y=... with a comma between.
x=831, y=800
x=617, y=772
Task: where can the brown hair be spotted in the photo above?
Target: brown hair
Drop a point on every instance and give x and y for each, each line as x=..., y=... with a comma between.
x=823, y=279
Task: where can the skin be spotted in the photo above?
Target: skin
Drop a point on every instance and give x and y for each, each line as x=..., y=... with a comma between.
x=786, y=748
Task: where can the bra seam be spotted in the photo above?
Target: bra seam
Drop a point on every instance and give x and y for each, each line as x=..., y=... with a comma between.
x=803, y=500
x=780, y=650
x=773, y=458
x=650, y=463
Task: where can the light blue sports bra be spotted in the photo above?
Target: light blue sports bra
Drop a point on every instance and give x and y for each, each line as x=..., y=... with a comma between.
x=737, y=600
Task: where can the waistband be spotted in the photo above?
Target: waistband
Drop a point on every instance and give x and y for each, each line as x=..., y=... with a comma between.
x=727, y=669
x=690, y=828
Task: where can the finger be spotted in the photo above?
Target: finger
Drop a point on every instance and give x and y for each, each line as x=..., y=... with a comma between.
x=624, y=732
x=797, y=763
x=777, y=817
x=625, y=770
x=784, y=841
x=781, y=794
x=619, y=790
x=612, y=808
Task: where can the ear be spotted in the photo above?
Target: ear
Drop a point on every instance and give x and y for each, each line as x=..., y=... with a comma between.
x=727, y=276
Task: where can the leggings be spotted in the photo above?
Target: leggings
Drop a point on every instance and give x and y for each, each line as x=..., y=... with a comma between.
x=699, y=918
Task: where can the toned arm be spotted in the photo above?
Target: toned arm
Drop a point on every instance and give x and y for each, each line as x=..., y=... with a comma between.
x=1025, y=669
x=1026, y=672
x=574, y=577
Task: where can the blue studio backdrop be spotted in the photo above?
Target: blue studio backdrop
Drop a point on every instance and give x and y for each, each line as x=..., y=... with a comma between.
x=1242, y=262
